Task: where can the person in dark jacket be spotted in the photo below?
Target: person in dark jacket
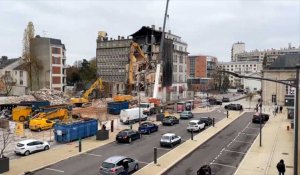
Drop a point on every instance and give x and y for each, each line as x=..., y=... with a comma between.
x=280, y=109
x=126, y=167
x=281, y=167
x=204, y=170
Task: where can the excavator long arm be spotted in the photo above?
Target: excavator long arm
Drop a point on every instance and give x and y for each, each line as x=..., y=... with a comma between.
x=95, y=85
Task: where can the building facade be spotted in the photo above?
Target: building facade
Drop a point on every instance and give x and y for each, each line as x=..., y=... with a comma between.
x=236, y=49
x=242, y=68
x=252, y=85
x=200, y=72
x=50, y=71
x=14, y=70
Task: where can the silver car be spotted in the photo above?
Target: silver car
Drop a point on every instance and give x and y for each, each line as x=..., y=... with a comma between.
x=186, y=115
x=114, y=165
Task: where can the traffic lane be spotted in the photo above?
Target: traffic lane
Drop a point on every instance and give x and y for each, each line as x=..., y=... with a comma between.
x=211, y=149
x=141, y=149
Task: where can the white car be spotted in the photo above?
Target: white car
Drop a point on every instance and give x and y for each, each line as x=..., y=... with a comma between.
x=195, y=125
x=170, y=139
x=29, y=146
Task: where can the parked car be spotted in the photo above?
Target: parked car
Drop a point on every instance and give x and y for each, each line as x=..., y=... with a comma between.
x=170, y=139
x=40, y=124
x=29, y=146
x=207, y=120
x=127, y=135
x=232, y=106
x=170, y=120
x=195, y=125
x=256, y=118
x=225, y=99
x=186, y=115
x=114, y=165
x=148, y=128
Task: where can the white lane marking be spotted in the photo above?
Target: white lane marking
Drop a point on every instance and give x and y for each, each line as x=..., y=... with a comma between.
x=223, y=165
x=253, y=128
x=249, y=134
x=234, y=151
x=93, y=154
x=243, y=141
x=166, y=149
x=143, y=162
x=54, y=170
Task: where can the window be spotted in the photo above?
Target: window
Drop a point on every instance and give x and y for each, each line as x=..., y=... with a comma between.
x=55, y=60
x=180, y=68
x=180, y=59
x=174, y=68
x=21, y=82
x=21, y=73
x=55, y=50
x=15, y=72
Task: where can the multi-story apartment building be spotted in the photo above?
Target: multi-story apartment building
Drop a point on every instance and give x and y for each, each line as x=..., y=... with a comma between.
x=239, y=53
x=50, y=69
x=14, y=72
x=200, y=71
x=242, y=68
x=112, y=56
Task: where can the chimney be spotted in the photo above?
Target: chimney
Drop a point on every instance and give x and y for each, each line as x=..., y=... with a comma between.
x=169, y=31
x=119, y=37
x=160, y=29
x=153, y=27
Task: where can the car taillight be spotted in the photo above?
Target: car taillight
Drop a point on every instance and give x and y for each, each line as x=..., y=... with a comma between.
x=113, y=170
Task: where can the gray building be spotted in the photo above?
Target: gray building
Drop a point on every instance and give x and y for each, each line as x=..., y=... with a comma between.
x=49, y=71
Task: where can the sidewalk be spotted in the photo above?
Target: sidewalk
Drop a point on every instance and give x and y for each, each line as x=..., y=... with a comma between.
x=277, y=143
x=175, y=155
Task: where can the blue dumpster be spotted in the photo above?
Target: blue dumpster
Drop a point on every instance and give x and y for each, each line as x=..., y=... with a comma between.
x=68, y=132
x=116, y=107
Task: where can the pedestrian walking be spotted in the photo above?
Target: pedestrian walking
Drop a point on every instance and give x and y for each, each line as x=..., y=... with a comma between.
x=280, y=108
x=281, y=167
x=204, y=170
x=256, y=108
x=126, y=167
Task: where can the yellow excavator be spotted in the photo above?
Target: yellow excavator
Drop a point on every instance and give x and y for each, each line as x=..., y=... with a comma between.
x=85, y=97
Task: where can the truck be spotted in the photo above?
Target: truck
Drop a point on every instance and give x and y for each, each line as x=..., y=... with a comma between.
x=132, y=115
x=26, y=108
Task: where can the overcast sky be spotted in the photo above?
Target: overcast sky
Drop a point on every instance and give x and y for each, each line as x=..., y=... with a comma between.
x=209, y=27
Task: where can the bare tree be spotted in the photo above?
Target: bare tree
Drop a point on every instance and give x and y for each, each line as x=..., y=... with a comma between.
x=26, y=55
x=6, y=138
x=6, y=83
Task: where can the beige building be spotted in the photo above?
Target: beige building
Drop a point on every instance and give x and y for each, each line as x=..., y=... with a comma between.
x=282, y=69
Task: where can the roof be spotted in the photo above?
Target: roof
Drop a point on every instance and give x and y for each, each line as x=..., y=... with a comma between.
x=4, y=63
x=169, y=134
x=194, y=121
x=114, y=159
x=27, y=141
x=146, y=31
x=21, y=67
x=240, y=62
x=287, y=61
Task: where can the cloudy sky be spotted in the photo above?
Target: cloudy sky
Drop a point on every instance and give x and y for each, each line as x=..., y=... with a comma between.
x=208, y=26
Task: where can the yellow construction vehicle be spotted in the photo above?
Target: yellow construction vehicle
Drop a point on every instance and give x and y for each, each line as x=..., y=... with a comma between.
x=120, y=98
x=21, y=113
x=43, y=121
x=85, y=98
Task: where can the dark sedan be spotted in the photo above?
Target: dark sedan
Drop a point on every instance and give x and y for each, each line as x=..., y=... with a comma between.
x=233, y=107
x=256, y=118
x=225, y=99
x=170, y=120
x=207, y=120
x=127, y=135
x=148, y=128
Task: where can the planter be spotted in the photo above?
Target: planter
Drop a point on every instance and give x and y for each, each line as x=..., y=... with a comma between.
x=4, y=164
x=102, y=135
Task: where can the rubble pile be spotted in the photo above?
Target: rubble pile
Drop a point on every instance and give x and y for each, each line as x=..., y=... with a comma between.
x=55, y=97
x=16, y=99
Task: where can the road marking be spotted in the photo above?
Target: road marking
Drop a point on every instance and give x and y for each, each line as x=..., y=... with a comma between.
x=54, y=170
x=249, y=134
x=143, y=162
x=93, y=154
x=253, y=128
x=234, y=151
x=242, y=141
x=224, y=165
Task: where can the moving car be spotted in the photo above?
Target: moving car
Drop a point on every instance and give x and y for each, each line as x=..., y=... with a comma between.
x=148, y=128
x=114, y=165
x=256, y=118
x=186, y=115
x=170, y=120
x=195, y=125
x=232, y=106
x=170, y=139
x=29, y=146
x=127, y=135
x=225, y=99
x=207, y=120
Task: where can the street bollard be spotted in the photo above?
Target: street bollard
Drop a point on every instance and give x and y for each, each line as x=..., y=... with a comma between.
x=213, y=122
x=227, y=113
x=130, y=125
x=155, y=155
x=112, y=126
x=192, y=134
x=79, y=146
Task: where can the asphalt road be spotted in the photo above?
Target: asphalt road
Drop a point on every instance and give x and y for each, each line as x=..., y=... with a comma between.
x=223, y=152
x=142, y=150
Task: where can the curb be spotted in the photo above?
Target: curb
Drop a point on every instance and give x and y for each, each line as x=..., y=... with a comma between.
x=190, y=151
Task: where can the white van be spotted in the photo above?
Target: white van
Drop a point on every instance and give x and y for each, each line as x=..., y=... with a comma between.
x=132, y=115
